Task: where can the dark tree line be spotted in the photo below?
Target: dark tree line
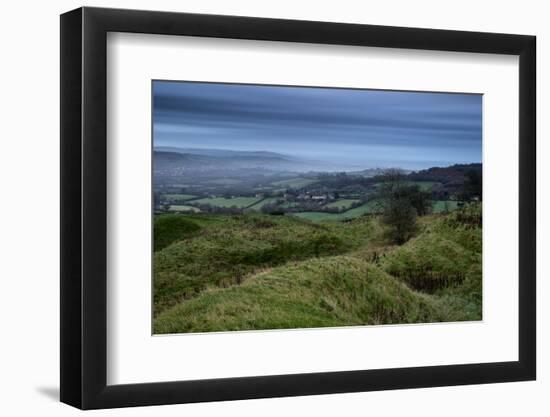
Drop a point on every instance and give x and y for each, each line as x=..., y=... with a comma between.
x=472, y=185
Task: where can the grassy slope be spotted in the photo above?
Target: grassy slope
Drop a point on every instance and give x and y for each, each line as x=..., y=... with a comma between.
x=171, y=228
x=262, y=272
x=223, y=255
x=444, y=261
x=336, y=291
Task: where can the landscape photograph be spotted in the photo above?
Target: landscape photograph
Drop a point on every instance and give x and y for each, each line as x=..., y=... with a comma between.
x=286, y=207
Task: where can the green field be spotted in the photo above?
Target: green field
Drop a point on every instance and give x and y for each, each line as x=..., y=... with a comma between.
x=183, y=207
x=440, y=206
x=256, y=271
x=289, y=204
x=370, y=207
x=344, y=203
x=262, y=203
x=240, y=202
x=179, y=197
x=295, y=182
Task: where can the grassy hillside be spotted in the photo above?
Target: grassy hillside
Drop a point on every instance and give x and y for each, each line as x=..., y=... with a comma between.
x=336, y=291
x=224, y=254
x=255, y=271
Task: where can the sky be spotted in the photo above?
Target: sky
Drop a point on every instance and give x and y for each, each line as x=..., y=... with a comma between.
x=351, y=128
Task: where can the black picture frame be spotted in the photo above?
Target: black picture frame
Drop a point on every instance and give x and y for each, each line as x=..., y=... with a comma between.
x=84, y=207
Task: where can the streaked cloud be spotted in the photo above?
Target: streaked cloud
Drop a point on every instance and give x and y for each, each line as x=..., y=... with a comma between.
x=357, y=127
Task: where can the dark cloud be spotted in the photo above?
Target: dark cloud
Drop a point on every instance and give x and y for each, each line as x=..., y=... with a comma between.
x=343, y=122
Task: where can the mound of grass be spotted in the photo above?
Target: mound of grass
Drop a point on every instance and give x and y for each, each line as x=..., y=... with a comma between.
x=469, y=216
x=334, y=291
x=223, y=255
x=428, y=263
x=170, y=228
x=445, y=255
x=463, y=227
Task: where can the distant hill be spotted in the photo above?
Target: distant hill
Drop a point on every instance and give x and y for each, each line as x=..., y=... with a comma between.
x=373, y=172
x=224, y=153
x=452, y=180
x=165, y=161
x=174, y=161
x=222, y=160
x=446, y=175
x=175, y=158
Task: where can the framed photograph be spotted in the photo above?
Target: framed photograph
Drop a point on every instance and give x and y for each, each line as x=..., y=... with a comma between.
x=259, y=208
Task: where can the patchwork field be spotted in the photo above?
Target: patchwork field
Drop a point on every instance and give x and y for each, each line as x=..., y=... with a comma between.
x=179, y=197
x=240, y=202
x=343, y=203
x=183, y=207
x=370, y=207
x=262, y=203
